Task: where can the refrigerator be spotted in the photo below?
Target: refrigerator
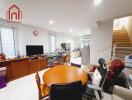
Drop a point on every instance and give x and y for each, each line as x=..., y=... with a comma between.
x=66, y=47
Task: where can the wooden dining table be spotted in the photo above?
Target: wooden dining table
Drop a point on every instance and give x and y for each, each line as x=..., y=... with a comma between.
x=61, y=74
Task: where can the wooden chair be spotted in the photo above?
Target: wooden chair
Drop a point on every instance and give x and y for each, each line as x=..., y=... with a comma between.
x=95, y=87
x=65, y=59
x=42, y=88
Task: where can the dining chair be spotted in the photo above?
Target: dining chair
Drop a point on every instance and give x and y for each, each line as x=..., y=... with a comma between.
x=70, y=91
x=76, y=65
x=95, y=87
x=42, y=89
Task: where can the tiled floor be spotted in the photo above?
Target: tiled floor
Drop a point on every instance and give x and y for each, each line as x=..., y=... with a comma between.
x=21, y=89
x=106, y=97
x=25, y=89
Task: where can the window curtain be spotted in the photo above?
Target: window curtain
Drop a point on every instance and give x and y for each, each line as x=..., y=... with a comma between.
x=8, y=41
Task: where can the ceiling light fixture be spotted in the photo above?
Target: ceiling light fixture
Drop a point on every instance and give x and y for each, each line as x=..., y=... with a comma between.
x=71, y=30
x=97, y=2
x=51, y=22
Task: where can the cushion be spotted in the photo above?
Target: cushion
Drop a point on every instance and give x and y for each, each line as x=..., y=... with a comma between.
x=93, y=68
x=115, y=97
x=130, y=57
x=96, y=78
x=116, y=67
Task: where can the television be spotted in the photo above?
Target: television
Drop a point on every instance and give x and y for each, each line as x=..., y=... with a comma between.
x=34, y=50
x=66, y=46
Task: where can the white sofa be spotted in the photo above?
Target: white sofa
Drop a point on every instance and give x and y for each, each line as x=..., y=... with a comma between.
x=120, y=93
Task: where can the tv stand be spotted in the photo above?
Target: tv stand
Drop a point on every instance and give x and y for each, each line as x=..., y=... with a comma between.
x=21, y=67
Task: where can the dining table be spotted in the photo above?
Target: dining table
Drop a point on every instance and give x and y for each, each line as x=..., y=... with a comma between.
x=62, y=74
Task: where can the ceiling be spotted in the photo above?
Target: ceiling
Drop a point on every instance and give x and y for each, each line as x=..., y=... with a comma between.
x=78, y=15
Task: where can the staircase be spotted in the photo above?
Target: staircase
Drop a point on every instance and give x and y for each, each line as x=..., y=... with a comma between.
x=121, y=44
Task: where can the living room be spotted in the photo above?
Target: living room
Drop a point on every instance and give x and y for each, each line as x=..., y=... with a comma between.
x=48, y=35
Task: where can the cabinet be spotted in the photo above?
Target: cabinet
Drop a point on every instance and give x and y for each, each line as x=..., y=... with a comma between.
x=37, y=65
x=17, y=68
x=7, y=64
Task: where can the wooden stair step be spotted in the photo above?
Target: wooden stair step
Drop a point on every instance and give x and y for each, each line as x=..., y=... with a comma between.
x=126, y=37
x=121, y=40
x=124, y=50
x=124, y=44
x=120, y=34
x=123, y=53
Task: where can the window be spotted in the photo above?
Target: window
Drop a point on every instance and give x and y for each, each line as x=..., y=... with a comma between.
x=85, y=41
x=7, y=41
x=52, y=43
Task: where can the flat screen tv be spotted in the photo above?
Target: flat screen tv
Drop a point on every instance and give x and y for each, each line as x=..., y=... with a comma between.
x=34, y=50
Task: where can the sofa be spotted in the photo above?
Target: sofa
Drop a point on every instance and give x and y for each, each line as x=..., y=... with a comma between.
x=121, y=93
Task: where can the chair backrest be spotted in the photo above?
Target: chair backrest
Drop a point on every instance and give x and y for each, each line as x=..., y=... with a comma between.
x=38, y=84
x=70, y=91
x=103, y=73
x=102, y=63
x=96, y=78
x=99, y=77
x=76, y=65
x=103, y=70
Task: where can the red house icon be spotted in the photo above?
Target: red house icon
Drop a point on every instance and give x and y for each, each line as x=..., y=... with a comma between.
x=14, y=14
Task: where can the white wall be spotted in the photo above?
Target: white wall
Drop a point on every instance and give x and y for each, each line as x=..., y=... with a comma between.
x=26, y=37
x=121, y=23
x=65, y=39
x=101, y=40
x=77, y=42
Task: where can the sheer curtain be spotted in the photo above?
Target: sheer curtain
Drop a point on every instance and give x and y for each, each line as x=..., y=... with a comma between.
x=52, y=43
x=7, y=41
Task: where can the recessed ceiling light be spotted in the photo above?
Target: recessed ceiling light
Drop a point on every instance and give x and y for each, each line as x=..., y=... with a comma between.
x=71, y=30
x=97, y=2
x=51, y=22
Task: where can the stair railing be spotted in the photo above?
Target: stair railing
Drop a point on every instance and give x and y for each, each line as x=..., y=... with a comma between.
x=123, y=43
x=106, y=53
x=118, y=47
x=113, y=51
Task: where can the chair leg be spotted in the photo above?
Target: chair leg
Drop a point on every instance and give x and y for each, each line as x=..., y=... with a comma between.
x=89, y=98
x=45, y=98
x=97, y=95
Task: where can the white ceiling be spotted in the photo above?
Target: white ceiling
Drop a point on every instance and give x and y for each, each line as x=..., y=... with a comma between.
x=80, y=15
